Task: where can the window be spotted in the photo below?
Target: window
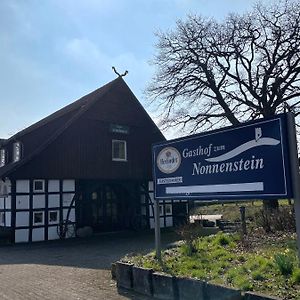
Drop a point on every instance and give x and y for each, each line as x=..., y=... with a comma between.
x=2, y=157
x=38, y=185
x=17, y=149
x=53, y=217
x=119, y=152
x=38, y=218
x=161, y=210
x=168, y=209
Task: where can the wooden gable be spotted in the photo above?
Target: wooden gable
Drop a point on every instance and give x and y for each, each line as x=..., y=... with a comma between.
x=83, y=149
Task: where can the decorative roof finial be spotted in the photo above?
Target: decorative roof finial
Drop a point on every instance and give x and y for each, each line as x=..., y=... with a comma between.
x=120, y=75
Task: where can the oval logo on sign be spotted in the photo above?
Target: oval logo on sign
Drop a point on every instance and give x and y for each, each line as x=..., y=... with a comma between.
x=168, y=160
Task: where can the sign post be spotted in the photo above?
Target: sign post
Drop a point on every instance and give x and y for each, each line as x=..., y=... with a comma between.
x=295, y=174
x=157, y=230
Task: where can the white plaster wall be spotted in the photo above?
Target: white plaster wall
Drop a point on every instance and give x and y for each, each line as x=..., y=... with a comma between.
x=22, y=186
x=8, y=218
x=151, y=223
x=38, y=201
x=2, y=200
x=21, y=235
x=161, y=222
x=52, y=233
x=22, y=202
x=69, y=185
x=38, y=234
x=53, y=186
x=5, y=186
x=150, y=186
x=8, y=202
x=22, y=218
x=67, y=199
x=71, y=216
x=53, y=200
x=169, y=221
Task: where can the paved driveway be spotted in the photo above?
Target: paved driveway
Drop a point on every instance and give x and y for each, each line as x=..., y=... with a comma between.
x=73, y=269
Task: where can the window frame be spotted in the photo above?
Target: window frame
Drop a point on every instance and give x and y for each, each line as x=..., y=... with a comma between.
x=37, y=190
x=3, y=158
x=57, y=217
x=168, y=209
x=125, y=150
x=43, y=218
x=16, y=158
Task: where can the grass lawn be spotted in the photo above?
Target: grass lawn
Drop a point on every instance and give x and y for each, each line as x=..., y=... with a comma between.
x=264, y=263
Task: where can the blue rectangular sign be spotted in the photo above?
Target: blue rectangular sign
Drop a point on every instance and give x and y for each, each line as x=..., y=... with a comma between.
x=244, y=162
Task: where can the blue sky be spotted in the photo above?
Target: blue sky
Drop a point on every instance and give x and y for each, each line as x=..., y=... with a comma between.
x=53, y=52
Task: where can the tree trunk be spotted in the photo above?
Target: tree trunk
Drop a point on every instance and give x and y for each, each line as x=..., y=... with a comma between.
x=270, y=204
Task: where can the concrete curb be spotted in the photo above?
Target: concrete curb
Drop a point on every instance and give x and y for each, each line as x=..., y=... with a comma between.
x=142, y=281
x=167, y=287
x=124, y=275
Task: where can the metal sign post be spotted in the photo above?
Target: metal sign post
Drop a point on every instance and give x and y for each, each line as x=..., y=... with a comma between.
x=157, y=230
x=294, y=173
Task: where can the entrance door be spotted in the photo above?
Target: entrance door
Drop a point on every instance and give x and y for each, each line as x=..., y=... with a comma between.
x=106, y=206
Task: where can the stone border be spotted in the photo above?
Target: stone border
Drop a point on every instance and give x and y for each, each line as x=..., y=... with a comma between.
x=167, y=287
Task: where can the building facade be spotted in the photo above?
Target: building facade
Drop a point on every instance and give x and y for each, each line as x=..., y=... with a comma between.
x=87, y=165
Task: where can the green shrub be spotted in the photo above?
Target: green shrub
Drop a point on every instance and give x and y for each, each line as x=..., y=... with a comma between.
x=284, y=263
x=222, y=239
x=296, y=276
x=258, y=275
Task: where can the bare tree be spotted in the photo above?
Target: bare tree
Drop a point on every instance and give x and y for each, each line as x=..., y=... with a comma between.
x=210, y=74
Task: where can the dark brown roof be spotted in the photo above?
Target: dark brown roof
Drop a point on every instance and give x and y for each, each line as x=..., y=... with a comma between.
x=81, y=105
x=78, y=104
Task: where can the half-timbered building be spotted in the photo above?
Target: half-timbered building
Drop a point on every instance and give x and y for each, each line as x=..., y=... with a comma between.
x=88, y=165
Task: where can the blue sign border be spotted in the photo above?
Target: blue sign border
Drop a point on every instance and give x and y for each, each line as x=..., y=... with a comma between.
x=282, y=118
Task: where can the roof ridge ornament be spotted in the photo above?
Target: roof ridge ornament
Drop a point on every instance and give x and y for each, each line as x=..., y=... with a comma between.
x=120, y=75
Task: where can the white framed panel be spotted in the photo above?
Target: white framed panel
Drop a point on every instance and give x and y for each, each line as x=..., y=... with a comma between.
x=52, y=233
x=8, y=202
x=150, y=186
x=67, y=199
x=53, y=200
x=22, y=202
x=161, y=222
x=8, y=219
x=151, y=196
x=38, y=201
x=151, y=210
x=22, y=186
x=169, y=221
x=53, y=185
x=22, y=218
x=21, y=235
x=38, y=234
x=151, y=223
x=69, y=185
x=2, y=200
x=71, y=216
